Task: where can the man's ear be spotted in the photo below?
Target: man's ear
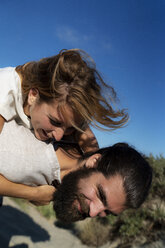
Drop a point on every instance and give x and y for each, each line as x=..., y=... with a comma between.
x=92, y=161
x=32, y=96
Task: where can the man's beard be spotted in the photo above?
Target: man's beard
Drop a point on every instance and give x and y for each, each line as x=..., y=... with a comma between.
x=67, y=195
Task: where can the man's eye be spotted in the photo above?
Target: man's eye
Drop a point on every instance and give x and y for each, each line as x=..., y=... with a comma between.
x=109, y=212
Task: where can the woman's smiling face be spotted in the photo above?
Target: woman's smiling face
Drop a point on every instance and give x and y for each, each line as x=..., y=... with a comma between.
x=46, y=119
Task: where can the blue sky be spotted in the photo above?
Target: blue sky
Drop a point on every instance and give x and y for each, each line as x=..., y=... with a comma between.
x=125, y=38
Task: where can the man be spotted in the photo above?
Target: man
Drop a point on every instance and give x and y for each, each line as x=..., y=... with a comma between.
x=120, y=177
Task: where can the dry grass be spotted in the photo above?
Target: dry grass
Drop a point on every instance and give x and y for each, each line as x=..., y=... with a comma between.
x=92, y=232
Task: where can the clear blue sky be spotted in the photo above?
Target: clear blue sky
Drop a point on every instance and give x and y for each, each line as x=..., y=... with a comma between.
x=126, y=38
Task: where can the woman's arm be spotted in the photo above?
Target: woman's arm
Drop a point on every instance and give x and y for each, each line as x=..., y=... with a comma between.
x=87, y=141
x=2, y=121
x=40, y=195
x=69, y=160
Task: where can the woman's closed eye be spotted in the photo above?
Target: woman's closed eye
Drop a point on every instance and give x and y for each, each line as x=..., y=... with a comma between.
x=55, y=123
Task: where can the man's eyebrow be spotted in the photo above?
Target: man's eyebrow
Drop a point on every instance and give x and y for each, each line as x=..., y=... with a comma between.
x=102, y=197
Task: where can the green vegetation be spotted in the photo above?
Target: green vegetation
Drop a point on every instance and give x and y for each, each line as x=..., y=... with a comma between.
x=46, y=211
x=22, y=203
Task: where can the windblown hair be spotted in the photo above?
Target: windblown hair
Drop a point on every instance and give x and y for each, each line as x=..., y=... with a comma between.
x=121, y=159
x=71, y=78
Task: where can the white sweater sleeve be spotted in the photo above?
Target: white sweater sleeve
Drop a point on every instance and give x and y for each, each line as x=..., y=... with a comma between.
x=24, y=159
x=11, y=103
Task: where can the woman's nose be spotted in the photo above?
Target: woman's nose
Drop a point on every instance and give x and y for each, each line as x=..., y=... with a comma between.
x=97, y=209
x=58, y=134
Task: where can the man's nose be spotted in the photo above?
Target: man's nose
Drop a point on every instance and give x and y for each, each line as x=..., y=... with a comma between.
x=58, y=134
x=97, y=209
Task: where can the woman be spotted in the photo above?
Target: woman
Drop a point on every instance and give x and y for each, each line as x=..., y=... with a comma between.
x=59, y=96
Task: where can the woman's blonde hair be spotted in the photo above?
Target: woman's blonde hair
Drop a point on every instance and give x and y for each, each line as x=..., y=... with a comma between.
x=71, y=78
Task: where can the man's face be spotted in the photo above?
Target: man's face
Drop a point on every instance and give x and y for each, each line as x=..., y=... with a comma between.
x=87, y=193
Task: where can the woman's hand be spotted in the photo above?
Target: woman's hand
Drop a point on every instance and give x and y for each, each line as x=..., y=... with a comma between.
x=40, y=195
x=43, y=196
x=92, y=161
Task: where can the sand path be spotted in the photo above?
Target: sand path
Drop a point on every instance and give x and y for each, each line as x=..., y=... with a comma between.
x=21, y=230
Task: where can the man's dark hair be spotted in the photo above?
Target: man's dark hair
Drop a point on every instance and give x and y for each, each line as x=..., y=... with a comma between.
x=122, y=159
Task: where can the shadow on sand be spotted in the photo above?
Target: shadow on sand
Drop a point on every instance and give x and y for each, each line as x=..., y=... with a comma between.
x=14, y=222
x=69, y=227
